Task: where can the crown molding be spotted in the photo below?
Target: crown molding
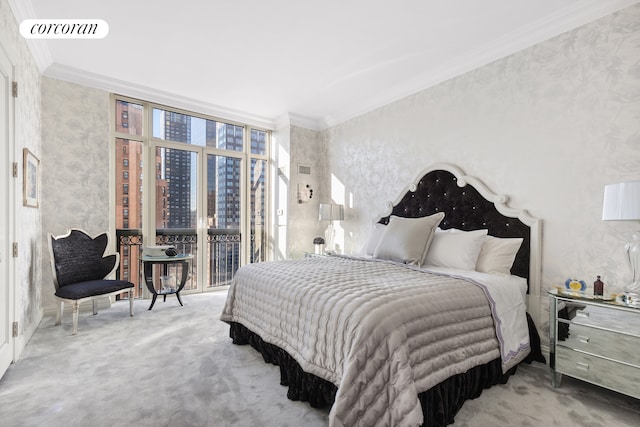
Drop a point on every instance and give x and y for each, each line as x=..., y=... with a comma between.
x=304, y=122
x=121, y=87
x=23, y=9
x=282, y=121
x=564, y=20
x=293, y=119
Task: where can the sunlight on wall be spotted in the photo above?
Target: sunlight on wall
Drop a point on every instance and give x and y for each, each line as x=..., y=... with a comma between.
x=349, y=230
x=338, y=196
x=283, y=171
x=337, y=190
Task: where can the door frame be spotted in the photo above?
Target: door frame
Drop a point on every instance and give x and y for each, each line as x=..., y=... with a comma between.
x=244, y=202
x=149, y=185
x=7, y=212
x=149, y=225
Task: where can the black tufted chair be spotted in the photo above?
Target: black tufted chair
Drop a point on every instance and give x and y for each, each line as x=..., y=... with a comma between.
x=80, y=267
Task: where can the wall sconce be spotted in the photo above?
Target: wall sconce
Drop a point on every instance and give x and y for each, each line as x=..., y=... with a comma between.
x=305, y=193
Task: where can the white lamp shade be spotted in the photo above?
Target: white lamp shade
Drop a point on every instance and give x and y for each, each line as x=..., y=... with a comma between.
x=621, y=201
x=331, y=212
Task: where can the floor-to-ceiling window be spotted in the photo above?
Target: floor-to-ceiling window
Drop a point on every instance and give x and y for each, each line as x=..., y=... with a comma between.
x=190, y=181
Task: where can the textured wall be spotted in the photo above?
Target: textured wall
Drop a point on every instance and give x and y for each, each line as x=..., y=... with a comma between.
x=28, y=310
x=75, y=141
x=548, y=126
x=303, y=224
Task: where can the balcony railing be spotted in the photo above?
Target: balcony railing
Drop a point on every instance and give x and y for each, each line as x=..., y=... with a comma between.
x=223, y=254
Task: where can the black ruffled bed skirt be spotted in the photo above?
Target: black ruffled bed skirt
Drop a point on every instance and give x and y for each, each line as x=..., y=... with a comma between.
x=440, y=404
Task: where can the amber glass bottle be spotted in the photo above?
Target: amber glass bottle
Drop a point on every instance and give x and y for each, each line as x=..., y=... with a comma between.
x=598, y=287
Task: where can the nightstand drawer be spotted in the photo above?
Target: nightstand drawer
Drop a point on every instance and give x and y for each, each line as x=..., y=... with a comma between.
x=613, y=375
x=603, y=317
x=603, y=343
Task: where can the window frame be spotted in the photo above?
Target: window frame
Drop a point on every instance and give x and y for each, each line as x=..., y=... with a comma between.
x=149, y=144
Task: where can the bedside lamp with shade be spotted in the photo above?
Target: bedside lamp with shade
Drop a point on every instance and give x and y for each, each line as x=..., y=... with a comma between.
x=330, y=212
x=622, y=203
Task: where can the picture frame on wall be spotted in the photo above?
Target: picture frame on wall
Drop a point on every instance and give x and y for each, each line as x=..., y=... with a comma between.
x=30, y=182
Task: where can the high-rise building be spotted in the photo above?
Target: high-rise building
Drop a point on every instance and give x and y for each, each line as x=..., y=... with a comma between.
x=128, y=190
x=230, y=137
x=174, y=173
x=177, y=171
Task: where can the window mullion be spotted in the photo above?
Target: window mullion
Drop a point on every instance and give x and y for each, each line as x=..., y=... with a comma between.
x=203, y=135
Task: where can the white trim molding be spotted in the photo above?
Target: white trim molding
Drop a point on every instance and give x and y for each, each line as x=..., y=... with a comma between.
x=566, y=19
x=574, y=15
x=121, y=87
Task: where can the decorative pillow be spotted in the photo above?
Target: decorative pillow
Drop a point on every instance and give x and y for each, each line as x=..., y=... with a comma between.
x=497, y=255
x=371, y=244
x=407, y=239
x=455, y=249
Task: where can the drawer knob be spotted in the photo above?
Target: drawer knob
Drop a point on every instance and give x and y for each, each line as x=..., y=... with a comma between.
x=583, y=313
x=583, y=366
x=583, y=339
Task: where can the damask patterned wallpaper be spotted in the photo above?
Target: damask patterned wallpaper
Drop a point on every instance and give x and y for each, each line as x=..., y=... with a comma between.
x=28, y=294
x=75, y=139
x=303, y=224
x=548, y=126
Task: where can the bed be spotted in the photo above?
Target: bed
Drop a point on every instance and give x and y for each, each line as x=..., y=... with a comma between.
x=423, y=319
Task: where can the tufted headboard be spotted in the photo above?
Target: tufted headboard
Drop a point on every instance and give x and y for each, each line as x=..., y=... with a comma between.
x=469, y=205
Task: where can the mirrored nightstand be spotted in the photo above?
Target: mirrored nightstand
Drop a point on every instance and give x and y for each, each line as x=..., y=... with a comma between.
x=595, y=339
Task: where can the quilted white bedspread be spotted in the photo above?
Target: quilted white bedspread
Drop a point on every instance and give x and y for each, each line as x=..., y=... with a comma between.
x=381, y=332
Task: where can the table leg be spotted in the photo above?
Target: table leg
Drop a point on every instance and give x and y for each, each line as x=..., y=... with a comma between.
x=153, y=301
x=148, y=278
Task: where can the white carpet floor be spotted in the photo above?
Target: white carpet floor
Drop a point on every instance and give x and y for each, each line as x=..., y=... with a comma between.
x=176, y=366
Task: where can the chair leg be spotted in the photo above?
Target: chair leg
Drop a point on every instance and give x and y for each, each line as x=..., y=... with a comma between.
x=76, y=309
x=93, y=302
x=59, y=312
x=131, y=303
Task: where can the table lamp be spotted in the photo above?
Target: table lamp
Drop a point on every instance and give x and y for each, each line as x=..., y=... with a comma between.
x=622, y=203
x=331, y=212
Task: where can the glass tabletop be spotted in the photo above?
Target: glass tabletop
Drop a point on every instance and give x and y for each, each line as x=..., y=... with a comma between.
x=624, y=299
x=179, y=257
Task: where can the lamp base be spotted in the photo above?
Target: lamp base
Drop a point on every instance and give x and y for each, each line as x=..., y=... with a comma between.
x=633, y=256
x=329, y=235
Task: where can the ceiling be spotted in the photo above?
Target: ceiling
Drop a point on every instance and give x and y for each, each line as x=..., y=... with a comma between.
x=309, y=63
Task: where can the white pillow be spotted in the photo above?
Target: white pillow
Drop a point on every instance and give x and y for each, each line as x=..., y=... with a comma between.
x=497, y=255
x=407, y=239
x=371, y=244
x=456, y=249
